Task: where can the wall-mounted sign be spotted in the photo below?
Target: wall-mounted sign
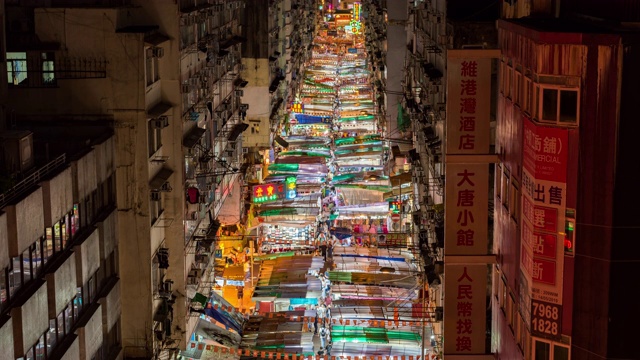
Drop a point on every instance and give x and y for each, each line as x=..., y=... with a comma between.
x=267, y=193
x=291, y=185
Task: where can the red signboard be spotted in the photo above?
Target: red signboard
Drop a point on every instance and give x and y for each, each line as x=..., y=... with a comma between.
x=544, y=245
x=543, y=271
x=542, y=218
x=545, y=152
x=267, y=192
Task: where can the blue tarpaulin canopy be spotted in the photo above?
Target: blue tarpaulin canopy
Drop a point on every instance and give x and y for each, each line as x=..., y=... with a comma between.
x=312, y=119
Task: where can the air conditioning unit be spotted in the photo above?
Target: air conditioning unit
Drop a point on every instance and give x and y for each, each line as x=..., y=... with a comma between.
x=239, y=93
x=166, y=187
x=18, y=150
x=161, y=122
x=192, y=280
x=158, y=52
x=155, y=196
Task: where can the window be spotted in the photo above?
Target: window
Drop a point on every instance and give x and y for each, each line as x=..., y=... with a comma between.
x=568, y=106
x=112, y=339
x=75, y=219
x=505, y=188
x=155, y=206
x=544, y=350
x=15, y=275
x=509, y=84
x=4, y=287
x=558, y=105
x=517, y=91
x=154, y=137
x=48, y=69
x=526, y=95
x=503, y=293
x=549, y=105
x=515, y=200
x=496, y=283
x=52, y=335
x=503, y=77
x=498, y=185
x=17, y=68
x=151, y=67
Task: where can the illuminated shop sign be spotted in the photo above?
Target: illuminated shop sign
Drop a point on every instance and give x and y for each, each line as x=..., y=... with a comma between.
x=292, y=192
x=267, y=193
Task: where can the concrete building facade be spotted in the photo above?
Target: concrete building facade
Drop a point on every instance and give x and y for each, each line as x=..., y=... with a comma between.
x=565, y=81
x=166, y=75
x=60, y=287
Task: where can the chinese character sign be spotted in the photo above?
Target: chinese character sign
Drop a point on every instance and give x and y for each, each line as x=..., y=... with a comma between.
x=464, y=310
x=545, y=151
x=468, y=106
x=291, y=187
x=466, y=214
x=267, y=193
x=544, y=177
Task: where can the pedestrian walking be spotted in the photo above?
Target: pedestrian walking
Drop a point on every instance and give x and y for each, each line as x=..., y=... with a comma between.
x=315, y=325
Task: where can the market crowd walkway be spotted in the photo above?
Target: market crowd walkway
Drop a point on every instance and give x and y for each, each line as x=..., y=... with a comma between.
x=333, y=274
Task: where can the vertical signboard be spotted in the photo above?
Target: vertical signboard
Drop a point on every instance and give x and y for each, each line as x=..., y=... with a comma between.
x=544, y=178
x=467, y=194
x=468, y=106
x=465, y=309
x=467, y=199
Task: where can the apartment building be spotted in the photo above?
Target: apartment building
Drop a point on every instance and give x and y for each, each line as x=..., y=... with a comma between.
x=166, y=74
x=564, y=194
x=279, y=34
x=60, y=288
x=447, y=88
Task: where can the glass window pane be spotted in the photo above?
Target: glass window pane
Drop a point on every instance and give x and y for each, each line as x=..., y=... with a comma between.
x=542, y=351
x=37, y=258
x=536, y=105
x=4, y=288
x=79, y=301
x=29, y=355
x=52, y=338
x=15, y=276
x=68, y=319
x=61, y=327
x=57, y=236
x=41, y=348
x=151, y=139
x=560, y=352
x=550, y=104
x=568, y=106
x=27, y=270
x=75, y=219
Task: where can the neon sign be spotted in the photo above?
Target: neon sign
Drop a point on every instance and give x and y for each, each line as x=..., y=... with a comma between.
x=267, y=193
x=356, y=26
x=356, y=11
x=297, y=108
x=291, y=187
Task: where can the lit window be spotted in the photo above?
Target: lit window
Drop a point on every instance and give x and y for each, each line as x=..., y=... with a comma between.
x=48, y=69
x=17, y=67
